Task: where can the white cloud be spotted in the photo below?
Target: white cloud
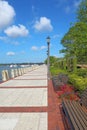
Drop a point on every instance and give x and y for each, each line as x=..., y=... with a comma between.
x=43, y=47
x=15, y=42
x=68, y=9
x=34, y=10
x=9, y=40
x=22, y=52
x=16, y=31
x=59, y=3
x=56, y=36
x=76, y=3
x=10, y=53
x=3, y=38
x=33, y=7
x=7, y=14
x=44, y=24
x=34, y=48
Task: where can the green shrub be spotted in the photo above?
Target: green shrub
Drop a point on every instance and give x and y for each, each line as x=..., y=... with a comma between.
x=78, y=82
x=78, y=79
x=82, y=72
x=56, y=71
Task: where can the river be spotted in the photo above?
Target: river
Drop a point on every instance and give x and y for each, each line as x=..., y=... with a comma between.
x=7, y=67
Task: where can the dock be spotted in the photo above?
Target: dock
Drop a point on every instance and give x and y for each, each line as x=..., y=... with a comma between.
x=28, y=102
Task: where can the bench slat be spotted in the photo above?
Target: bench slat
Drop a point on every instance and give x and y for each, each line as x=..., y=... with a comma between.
x=80, y=120
x=77, y=117
x=81, y=113
x=70, y=117
x=76, y=113
x=84, y=98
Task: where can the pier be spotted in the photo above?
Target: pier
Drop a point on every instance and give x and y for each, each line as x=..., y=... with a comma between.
x=28, y=102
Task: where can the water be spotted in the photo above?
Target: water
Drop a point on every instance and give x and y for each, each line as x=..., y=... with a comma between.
x=7, y=67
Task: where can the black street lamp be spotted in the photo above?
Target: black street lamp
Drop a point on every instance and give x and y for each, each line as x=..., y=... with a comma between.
x=48, y=60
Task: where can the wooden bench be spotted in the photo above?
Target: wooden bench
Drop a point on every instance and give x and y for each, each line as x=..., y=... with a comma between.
x=76, y=112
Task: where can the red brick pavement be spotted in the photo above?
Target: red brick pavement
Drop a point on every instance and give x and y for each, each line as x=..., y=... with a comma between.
x=56, y=120
x=55, y=116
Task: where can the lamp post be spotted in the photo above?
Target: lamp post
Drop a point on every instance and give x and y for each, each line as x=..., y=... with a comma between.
x=48, y=60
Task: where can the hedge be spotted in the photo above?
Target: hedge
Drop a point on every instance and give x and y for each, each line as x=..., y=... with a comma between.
x=78, y=82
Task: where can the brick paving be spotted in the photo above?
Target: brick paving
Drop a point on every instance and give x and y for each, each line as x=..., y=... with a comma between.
x=55, y=116
x=29, y=103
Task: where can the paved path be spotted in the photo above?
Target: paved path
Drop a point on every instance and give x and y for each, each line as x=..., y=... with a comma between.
x=26, y=103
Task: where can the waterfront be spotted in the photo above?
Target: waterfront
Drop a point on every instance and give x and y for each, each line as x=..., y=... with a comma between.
x=9, y=67
x=30, y=102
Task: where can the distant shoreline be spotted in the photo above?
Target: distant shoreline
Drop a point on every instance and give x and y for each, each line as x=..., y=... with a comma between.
x=5, y=64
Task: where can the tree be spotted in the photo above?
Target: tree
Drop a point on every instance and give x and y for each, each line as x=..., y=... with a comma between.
x=82, y=12
x=75, y=41
x=53, y=60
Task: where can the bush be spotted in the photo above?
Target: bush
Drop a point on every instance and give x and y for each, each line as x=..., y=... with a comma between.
x=82, y=72
x=67, y=92
x=56, y=71
x=78, y=82
x=78, y=79
x=59, y=80
x=63, y=78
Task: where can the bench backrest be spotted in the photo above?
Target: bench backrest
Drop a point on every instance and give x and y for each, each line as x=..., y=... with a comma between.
x=84, y=98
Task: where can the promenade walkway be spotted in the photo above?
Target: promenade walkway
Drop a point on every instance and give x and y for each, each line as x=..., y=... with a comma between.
x=28, y=102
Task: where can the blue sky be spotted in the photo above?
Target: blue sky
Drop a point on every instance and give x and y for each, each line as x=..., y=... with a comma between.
x=25, y=24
